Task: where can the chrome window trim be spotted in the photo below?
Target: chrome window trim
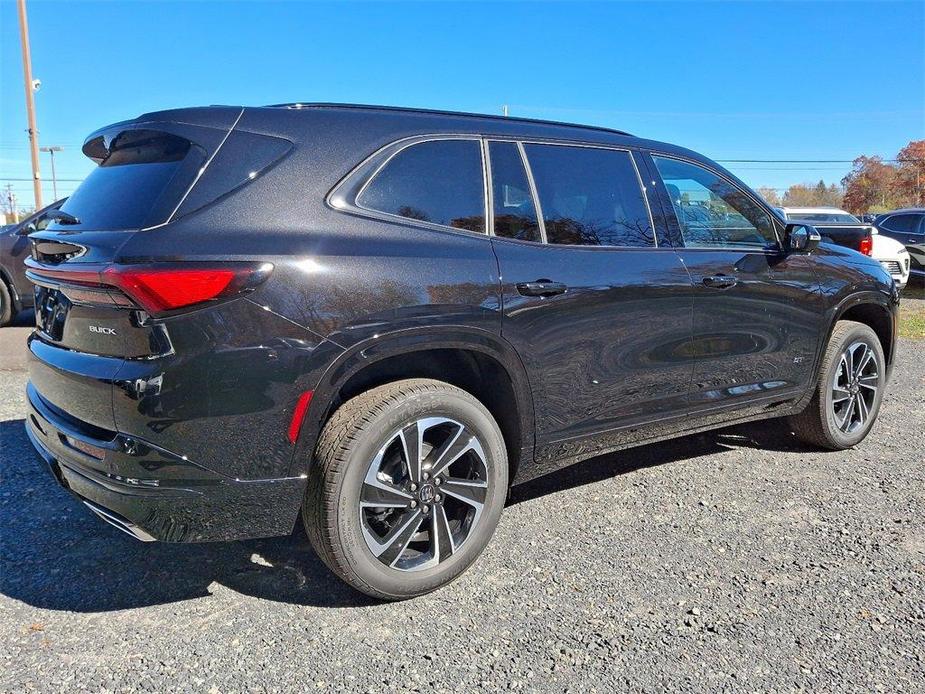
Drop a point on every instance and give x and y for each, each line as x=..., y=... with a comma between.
x=489, y=193
x=531, y=182
x=771, y=217
x=344, y=196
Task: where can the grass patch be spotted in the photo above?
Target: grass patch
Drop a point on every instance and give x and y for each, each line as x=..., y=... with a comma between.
x=912, y=321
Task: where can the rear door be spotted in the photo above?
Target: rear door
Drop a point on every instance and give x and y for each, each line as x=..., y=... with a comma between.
x=757, y=314
x=598, y=307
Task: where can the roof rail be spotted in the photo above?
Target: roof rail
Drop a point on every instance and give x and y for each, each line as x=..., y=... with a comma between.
x=408, y=109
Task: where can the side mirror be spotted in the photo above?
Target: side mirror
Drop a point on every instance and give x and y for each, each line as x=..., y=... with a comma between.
x=28, y=229
x=802, y=237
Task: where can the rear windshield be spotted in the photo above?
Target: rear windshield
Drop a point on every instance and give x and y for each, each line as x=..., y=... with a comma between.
x=141, y=178
x=831, y=217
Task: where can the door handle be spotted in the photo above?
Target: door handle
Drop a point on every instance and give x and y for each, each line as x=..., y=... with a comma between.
x=541, y=288
x=719, y=281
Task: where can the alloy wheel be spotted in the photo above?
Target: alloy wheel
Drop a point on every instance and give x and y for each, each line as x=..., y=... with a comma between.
x=423, y=494
x=854, y=387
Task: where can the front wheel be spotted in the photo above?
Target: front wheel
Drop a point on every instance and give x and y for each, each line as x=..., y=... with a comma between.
x=406, y=488
x=850, y=389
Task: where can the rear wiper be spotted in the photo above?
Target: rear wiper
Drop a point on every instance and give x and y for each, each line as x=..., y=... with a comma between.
x=62, y=217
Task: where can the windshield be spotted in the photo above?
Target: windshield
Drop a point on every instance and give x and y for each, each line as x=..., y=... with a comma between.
x=831, y=217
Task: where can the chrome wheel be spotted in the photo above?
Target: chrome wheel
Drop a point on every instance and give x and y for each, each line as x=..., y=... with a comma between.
x=423, y=494
x=854, y=387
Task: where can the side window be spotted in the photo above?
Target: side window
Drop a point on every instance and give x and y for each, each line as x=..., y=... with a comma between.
x=438, y=181
x=902, y=223
x=712, y=212
x=515, y=213
x=590, y=196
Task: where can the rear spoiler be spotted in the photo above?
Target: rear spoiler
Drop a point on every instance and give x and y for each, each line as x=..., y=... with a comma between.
x=206, y=127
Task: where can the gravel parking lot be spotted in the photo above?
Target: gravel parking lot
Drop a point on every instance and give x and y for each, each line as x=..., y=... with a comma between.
x=735, y=560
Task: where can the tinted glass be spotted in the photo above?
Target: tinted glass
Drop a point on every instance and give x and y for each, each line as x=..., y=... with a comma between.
x=438, y=181
x=142, y=178
x=712, y=212
x=590, y=196
x=515, y=213
x=903, y=223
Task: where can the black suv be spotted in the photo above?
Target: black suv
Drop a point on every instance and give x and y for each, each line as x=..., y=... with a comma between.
x=382, y=318
x=15, y=290
x=908, y=227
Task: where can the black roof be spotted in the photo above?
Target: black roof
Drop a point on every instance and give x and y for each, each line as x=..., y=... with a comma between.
x=430, y=111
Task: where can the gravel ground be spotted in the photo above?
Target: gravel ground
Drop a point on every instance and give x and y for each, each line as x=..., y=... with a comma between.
x=735, y=560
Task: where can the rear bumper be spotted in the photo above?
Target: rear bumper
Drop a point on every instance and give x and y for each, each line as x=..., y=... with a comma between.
x=154, y=494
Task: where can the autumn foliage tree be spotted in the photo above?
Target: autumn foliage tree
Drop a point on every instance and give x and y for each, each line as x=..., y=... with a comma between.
x=909, y=183
x=874, y=185
x=808, y=195
x=869, y=186
x=770, y=196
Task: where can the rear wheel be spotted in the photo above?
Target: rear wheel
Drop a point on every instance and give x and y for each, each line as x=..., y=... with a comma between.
x=406, y=488
x=6, y=305
x=850, y=389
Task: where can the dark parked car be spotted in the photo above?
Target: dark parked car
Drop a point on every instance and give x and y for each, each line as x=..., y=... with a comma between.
x=15, y=289
x=382, y=318
x=908, y=227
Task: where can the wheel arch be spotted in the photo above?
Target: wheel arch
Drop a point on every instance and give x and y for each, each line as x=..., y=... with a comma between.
x=7, y=278
x=480, y=362
x=874, y=310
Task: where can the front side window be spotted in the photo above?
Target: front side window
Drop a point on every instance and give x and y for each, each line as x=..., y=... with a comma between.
x=590, y=196
x=711, y=211
x=438, y=181
x=515, y=213
x=902, y=223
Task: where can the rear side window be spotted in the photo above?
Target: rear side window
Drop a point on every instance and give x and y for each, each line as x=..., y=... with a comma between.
x=711, y=211
x=903, y=223
x=141, y=177
x=590, y=196
x=438, y=181
x=515, y=213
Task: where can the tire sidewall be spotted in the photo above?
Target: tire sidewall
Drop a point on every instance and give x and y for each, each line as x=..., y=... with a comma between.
x=859, y=333
x=451, y=404
x=6, y=304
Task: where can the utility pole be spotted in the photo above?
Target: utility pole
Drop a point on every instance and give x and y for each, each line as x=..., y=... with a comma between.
x=31, y=86
x=11, y=201
x=504, y=110
x=54, y=180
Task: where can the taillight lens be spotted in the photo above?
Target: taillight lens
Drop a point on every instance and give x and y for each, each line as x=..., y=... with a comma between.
x=867, y=245
x=157, y=291
x=156, y=288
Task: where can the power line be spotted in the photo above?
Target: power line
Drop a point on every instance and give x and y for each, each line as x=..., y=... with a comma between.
x=808, y=161
x=72, y=180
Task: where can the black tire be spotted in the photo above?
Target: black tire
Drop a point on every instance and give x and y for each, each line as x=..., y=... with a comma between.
x=6, y=305
x=346, y=452
x=819, y=423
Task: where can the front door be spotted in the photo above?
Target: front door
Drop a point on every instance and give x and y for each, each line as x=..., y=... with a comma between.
x=757, y=309
x=599, y=311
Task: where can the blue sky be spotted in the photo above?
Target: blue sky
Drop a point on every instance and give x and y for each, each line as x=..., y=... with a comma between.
x=755, y=80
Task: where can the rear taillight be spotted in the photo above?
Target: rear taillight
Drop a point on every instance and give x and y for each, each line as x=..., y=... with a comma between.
x=867, y=245
x=157, y=288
